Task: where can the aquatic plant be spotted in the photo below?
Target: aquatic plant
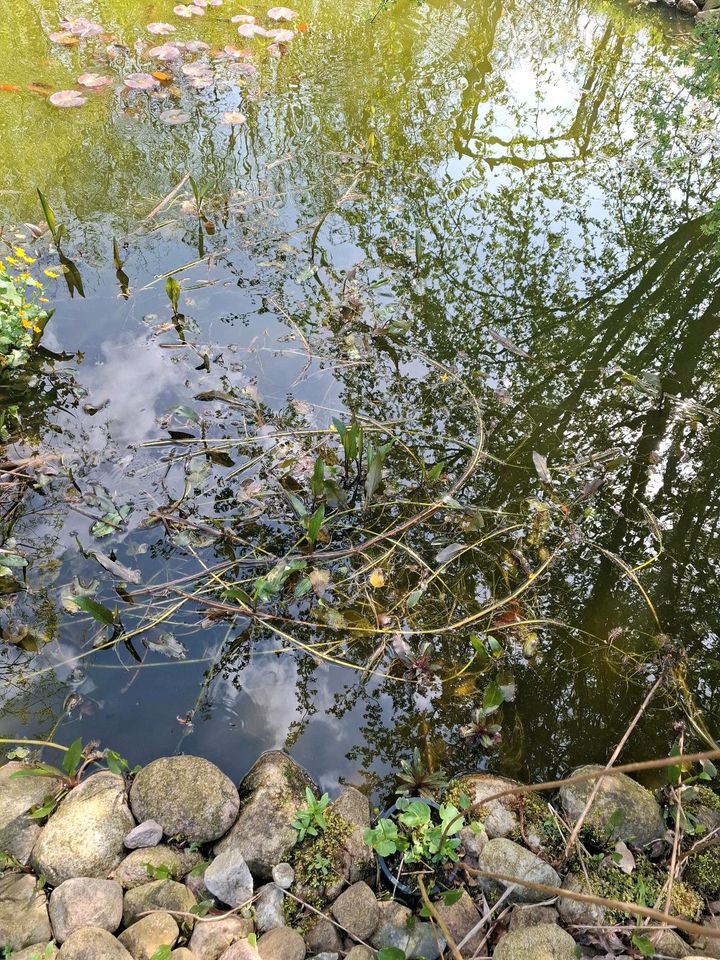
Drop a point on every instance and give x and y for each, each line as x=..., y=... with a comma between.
x=22, y=314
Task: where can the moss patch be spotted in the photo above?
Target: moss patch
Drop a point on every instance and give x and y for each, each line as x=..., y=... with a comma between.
x=703, y=872
x=643, y=886
x=318, y=861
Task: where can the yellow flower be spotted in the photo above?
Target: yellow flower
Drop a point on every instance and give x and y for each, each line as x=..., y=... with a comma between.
x=2, y=267
x=19, y=252
x=32, y=282
x=27, y=323
x=51, y=274
x=37, y=329
x=44, y=300
x=13, y=261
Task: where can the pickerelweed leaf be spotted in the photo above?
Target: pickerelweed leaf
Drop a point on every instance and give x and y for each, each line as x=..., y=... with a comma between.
x=96, y=610
x=452, y=550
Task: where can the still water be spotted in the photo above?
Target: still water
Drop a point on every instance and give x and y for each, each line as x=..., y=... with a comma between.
x=448, y=221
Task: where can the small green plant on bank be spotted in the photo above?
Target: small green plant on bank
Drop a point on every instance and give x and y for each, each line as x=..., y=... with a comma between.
x=413, y=833
x=416, y=779
x=22, y=316
x=311, y=818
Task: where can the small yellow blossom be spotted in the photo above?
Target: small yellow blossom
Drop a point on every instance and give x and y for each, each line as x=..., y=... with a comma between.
x=26, y=323
x=32, y=282
x=51, y=274
x=43, y=300
x=13, y=262
x=2, y=267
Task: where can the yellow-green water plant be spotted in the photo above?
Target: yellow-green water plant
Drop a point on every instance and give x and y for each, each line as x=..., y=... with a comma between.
x=23, y=317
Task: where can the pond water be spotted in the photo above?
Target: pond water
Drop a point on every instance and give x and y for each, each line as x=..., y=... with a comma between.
x=448, y=222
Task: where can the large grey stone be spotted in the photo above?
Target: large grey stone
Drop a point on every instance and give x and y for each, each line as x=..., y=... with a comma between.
x=283, y=875
x=575, y=911
x=38, y=951
x=269, y=908
x=133, y=872
x=498, y=816
x=23, y=912
x=229, y=879
x=187, y=796
x=546, y=941
x=93, y=943
x=667, y=943
x=357, y=859
x=210, y=940
x=167, y=895
x=531, y=915
x=147, y=834
x=506, y=857
x=642, y=821
x=18, y=832
x=460, y=919
x=710, y=946
x=359, y=952
x=282, y=943
x=84, y=837
x=396, y=928
x=85, y=902
x=272, y=791
x=143, y=938
x=323, y=936
x=356, y=910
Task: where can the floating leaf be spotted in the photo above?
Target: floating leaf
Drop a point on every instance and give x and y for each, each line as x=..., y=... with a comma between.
x=76, y=589
x=174, y=118
x=377, y=579
x=181, y=410
x=115, y=568
x=233, y=118
x=166, y=52
x=93, y=80
x=64, y=38
x=541, y=467
x=281, y=36
x=319, y=580
x=67, y=98
x=452, y=550
x=140, y=81
x=196, y=46
x=96, y=610
x=169, y=645
x=509, y=345
x=160, y=29
x=282, y=13
x=251, y=30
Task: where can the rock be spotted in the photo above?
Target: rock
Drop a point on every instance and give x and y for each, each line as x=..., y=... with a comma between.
x=523, y=917
x=240, y=951
x=147, y=834
x=168, y=895
x=472, y=845
x=356, y=910
x=711, y=15
x=145, y=937
x=84, y=837
x=357, y=859
x=710, y=946
x=323, y=936
x=498, y=816
x=460, y=918
x=688, y=6
x=23, y=912
x=668, y=944
x=326, y=956
x=229, y=879
x=132, y=871
x=642, y=820
x=272, y=791
x=546, y=941
x=418, y=940
x=195, y=882
x=282, y=943
x=38, y=951
x=575, y=912
x=269, y=908
x=509, y=858
x=182, y=953
x=210, y=940
x=188, y=796
x=93, y=943
x=283, y=875
x=85, y=902
x=18, y=832
x=360, y=953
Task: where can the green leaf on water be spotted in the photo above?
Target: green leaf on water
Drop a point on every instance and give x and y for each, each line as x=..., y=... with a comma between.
x=315, y=524
x=48, y=213
x=111, y=522
x=172, y=289
x=181, y=410
x=96, y=610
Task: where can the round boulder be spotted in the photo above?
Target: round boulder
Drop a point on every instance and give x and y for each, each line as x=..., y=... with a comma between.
x=546, y=941
x=499, y=817
x=187, y=796
x=506, y=857
x=23, y=912
x=84, y=837
x=93, y=943
x=85, y=902
x=18, y=831
x=167, y=895
x=282, y=943
x=211, y=940
x=356, y=910
x=144, y=938
x=622, y=809
x=229, y=879
x=133, y=870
